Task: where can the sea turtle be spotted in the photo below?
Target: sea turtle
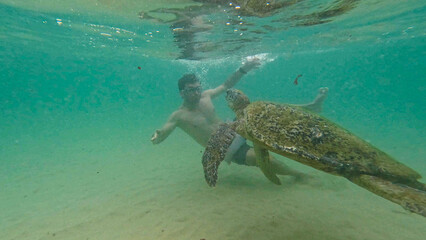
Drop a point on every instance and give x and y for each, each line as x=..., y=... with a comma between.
x=310, y=139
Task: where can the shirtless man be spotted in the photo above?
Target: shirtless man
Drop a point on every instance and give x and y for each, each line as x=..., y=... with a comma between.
x=196, y=117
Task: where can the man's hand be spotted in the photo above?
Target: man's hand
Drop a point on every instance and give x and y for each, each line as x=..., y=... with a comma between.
x=154, y=138
x=250, y=64
x=323, y=91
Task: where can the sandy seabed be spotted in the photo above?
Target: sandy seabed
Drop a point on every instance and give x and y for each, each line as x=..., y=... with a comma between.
x=82, y=186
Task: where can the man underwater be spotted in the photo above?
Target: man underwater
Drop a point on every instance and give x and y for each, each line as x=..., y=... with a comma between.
x=196, y=117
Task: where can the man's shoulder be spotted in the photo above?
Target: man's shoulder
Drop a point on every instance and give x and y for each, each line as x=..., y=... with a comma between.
x=179, y=114
x=207, y=93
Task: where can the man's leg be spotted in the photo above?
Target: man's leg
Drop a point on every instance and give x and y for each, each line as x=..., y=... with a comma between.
x=316, y=105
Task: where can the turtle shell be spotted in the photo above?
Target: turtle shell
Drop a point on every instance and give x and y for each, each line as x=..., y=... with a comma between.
x=306, y=137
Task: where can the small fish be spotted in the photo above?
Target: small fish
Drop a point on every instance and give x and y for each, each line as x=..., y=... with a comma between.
x=297, y=78
x=139, y=67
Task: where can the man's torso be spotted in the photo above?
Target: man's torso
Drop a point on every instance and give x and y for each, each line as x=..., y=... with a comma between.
x=199, y=122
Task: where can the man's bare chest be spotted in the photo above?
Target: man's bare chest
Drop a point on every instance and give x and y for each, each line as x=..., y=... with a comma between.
x=198, y=117
x=201, y=115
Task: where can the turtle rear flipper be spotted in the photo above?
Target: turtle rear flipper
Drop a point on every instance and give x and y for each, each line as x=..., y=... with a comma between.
x=411, y=199
x=215, y=152
x=264, y=163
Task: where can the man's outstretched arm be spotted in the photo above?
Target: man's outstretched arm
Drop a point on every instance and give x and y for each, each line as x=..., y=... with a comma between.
x=234, y=78
x=161, y=134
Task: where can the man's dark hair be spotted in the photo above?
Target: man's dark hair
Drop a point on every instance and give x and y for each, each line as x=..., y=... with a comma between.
x=187, y=79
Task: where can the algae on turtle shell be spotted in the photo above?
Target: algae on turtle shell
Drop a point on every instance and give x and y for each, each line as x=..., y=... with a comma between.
x=311, y=139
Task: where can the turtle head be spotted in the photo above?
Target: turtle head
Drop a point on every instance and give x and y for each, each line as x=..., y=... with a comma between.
x=236, y=99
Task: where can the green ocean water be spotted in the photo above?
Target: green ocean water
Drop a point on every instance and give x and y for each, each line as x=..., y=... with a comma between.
x=76, y=112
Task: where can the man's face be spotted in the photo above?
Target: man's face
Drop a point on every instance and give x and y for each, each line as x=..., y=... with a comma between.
x=191, y=92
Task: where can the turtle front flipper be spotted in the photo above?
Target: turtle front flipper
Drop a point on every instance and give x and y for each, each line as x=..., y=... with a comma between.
x=411, y=199
x=215, y=152
x=264, y=163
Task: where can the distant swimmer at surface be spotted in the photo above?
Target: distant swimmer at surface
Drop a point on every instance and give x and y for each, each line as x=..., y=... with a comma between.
x=196, y=117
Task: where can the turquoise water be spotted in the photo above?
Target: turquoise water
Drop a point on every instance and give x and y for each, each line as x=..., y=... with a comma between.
x=76, y=116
